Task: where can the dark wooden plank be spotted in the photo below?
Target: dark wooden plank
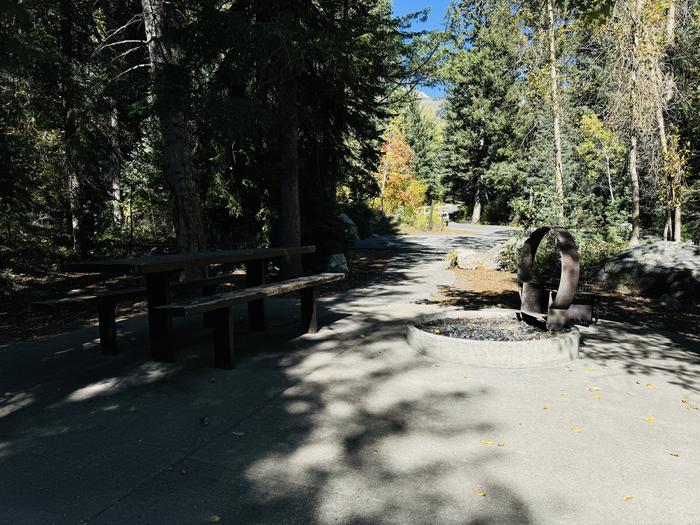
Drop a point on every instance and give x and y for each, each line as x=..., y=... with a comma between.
x=308, y=310
x=127, y=294
x=162, y=263
x=222, y=300
x=222, y=321
x=255, y=276
x=106, y=313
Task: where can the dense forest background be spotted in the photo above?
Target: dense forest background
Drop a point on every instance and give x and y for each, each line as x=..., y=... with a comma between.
x=137, y=125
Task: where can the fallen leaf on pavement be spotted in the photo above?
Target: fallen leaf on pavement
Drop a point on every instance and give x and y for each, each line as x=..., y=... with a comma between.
x=238, y=433
x=567, y=369
x=435, y=364
x=501, y=444
x=564, y=394
x=626, y=498
x=675, y=454
x=649, y=419
x=546, y=406
x=594, y=389
x=479, y=493
x=589, y=369
x=487, y=442
x=650, y=386
x=596, y=398
x=214, y=519
x=576, y=429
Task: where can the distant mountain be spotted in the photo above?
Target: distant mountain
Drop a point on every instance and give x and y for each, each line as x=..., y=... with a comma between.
x=430, y=104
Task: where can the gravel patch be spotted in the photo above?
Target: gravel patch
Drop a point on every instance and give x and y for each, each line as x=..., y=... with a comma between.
x=485, y=329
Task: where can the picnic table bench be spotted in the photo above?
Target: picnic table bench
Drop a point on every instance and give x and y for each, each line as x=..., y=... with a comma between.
x=108, y=301
x=220, y=308
x=159, y=270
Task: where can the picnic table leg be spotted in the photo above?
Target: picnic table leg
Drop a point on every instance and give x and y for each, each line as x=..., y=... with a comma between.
x=222, y=322
x=106, y=313
x=255, y=275
x=308, y=310
x=158, y=294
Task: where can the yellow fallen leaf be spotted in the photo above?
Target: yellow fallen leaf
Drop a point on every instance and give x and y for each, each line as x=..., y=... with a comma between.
x=685, y=401
x=567, y=369
x=594, y=389
x=649, y=419
x=487, y=442
x=501, y=444
x=546, y=406
x=435, y=364
x=650, y=386
x=479, y=493
x=596, y=398
x=576, y=429
x=214, y=519
x=589, y=369
x=626, y=498
x=675, y=454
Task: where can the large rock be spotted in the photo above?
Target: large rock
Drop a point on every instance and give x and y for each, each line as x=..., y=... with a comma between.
x=656, y=269
x=468, y=259
x=338, y=264
x=350, y=226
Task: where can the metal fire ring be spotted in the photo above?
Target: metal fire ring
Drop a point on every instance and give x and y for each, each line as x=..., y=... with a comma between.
x=568, y=281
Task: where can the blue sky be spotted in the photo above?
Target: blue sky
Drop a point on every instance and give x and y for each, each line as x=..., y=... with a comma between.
x=435, y=20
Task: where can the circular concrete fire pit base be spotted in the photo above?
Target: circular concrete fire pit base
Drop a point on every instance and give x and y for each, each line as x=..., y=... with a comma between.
x=553, y=349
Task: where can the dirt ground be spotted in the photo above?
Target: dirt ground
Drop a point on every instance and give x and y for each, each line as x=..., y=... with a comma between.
x=481, y=288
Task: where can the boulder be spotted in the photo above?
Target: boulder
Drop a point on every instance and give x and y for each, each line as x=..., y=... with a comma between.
x=657, y=269
x=338, y=264
x=350, y=226
x=468, y=259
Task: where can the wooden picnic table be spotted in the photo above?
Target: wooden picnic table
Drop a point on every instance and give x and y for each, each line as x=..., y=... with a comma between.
x=159, y=269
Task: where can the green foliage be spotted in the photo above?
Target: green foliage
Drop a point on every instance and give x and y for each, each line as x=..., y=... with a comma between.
x=482, y=110
x=451, y=259
x=593, y=249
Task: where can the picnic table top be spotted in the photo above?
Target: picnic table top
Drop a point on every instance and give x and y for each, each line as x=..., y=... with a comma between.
x=179, y=261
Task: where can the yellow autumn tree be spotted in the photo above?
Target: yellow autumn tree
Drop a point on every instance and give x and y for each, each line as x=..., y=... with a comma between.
x=399, y=189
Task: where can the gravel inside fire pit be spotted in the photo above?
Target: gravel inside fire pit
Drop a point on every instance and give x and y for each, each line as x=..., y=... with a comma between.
x=486, y=329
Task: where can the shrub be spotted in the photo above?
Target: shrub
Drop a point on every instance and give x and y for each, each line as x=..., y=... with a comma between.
x=451, y=258
x=593, y=249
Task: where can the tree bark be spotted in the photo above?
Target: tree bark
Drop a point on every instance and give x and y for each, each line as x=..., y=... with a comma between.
x=634, y=179
x=634, y=125
x=476, y=212
x=556, y=111
x=290, y=216
x=171, y=89
x=69, y=127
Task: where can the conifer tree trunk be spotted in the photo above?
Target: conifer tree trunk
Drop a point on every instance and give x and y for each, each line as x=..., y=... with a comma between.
x=171, y=89
x=556, y=111
x=290, y=216
x=476, y=212
x=69, y=127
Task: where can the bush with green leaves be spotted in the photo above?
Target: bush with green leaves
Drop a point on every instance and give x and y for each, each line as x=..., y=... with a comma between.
x=593, y=249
